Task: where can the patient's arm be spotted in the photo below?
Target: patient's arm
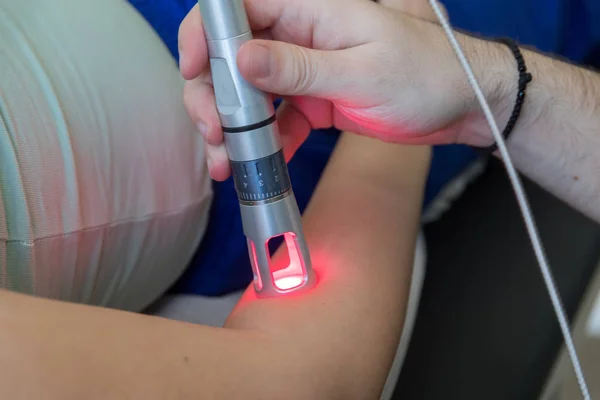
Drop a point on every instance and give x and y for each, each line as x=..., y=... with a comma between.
x=337, y=341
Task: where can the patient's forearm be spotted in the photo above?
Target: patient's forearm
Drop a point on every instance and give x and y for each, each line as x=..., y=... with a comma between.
x=361, y=227
x=60, y=351
x=336, y=341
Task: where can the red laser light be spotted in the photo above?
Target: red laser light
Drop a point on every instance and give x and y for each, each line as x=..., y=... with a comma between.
x=291, y=275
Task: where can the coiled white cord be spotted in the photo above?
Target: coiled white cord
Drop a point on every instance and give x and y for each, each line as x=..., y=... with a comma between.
x=522, y=200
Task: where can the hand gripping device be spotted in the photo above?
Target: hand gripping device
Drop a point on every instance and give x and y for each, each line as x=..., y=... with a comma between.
x=268, y=207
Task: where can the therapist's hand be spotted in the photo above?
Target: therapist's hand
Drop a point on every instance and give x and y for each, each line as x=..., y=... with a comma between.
x=353, y=64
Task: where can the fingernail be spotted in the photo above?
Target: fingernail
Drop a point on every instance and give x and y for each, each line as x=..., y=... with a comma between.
x=203, y=129
x=261, y=63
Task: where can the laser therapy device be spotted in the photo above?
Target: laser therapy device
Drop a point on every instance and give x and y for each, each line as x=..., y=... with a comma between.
x=267, y=203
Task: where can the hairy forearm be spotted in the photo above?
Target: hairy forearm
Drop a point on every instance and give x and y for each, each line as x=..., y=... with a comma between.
x=556, y=141
x=337, y=340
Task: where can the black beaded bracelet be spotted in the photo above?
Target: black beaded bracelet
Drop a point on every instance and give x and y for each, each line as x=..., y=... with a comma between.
x=524, y=78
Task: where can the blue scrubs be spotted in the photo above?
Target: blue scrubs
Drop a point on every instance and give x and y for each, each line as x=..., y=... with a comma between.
x=221, y=263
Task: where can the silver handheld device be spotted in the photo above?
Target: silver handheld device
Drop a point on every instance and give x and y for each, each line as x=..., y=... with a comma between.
x=268, y=207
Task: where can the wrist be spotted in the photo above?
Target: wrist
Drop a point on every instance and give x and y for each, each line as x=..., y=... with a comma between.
x=495, y=70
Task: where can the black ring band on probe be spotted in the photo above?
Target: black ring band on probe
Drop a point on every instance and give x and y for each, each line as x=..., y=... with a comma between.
x=252, y=127
x=524, y=78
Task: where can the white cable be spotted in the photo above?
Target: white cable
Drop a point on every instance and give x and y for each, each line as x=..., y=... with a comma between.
x=522, y=200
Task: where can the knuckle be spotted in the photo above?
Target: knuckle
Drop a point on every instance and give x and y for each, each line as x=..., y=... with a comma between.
x=304, y=71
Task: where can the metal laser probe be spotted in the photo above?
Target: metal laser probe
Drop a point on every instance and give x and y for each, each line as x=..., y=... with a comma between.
x=267, y=203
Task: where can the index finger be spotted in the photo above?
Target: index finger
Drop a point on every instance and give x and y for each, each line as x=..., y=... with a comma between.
x=193, y=52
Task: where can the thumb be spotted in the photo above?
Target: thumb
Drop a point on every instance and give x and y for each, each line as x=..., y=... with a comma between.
x=287, y=69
